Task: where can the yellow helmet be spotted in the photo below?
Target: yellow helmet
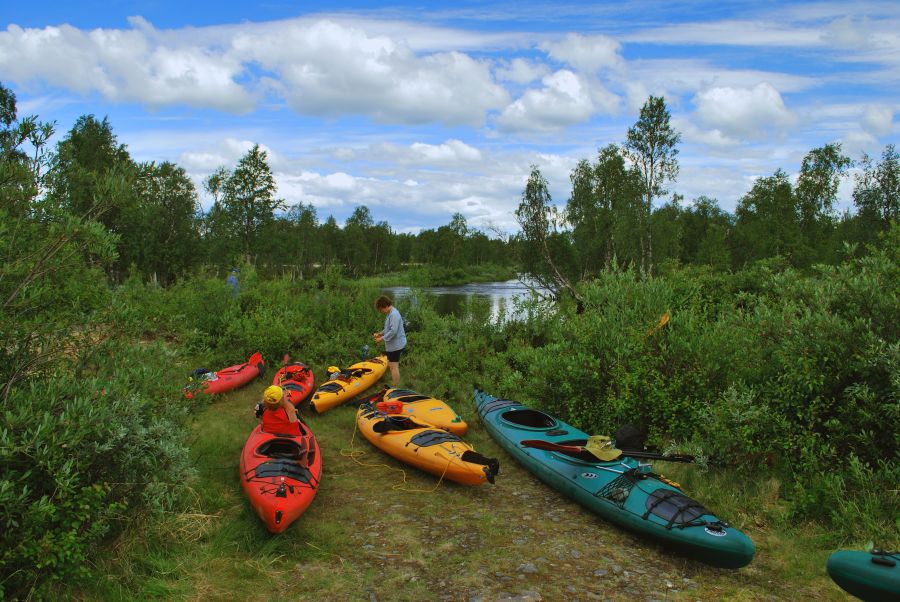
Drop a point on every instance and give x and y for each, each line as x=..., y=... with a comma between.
x=272, y=396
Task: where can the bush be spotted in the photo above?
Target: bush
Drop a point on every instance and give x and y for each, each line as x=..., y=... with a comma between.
x=78, y=454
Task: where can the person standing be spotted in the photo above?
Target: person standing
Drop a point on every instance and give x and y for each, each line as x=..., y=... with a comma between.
x=393, y=335
x=232, y=282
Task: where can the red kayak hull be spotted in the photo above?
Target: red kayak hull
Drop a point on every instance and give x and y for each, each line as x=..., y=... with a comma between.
x=280, y=475
x=297, y=380
x=232, y=377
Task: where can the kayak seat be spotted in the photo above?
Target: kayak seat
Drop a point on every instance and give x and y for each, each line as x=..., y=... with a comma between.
x=281, y=448
x=433, y=437
x=411, y=398
x=331, y=387
x=395, y=423
x=530, y=418
x=291, y=386
x=673, y=507
x=283, y=468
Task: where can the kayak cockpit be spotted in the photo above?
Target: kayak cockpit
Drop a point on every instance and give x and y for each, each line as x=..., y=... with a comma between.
x=287, y=449
x=533, y=419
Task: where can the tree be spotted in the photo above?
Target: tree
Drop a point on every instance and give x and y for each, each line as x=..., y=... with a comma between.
x=706, y=230
x=248, y=198
x=357, y=254
x=332, y=240
x=666, y=228
x=816, y=192
x=159, y=231
x=383, y=246
x=537, y=217
x=767, y=221
x=652, y=148
x=305, y=226
x=92, y=177
x=877, y=190
x=604, y=211
x=89, y=152
x=53, y=250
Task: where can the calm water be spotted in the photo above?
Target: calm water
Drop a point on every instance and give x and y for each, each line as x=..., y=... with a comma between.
x=491, y=298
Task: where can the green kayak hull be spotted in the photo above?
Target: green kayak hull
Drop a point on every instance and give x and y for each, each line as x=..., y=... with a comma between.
x=623, y=491
x=874, y=577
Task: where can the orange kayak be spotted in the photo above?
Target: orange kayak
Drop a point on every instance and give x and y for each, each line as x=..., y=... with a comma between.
x=427, y=448
x=280, y=475
x=349, y=383
x=227, y=379
x=297, y=379
x=433, y=411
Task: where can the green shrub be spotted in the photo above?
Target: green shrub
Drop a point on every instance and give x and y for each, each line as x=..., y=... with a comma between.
x=78, y=453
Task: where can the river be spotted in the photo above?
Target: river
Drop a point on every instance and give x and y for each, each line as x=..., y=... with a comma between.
x=494, y=298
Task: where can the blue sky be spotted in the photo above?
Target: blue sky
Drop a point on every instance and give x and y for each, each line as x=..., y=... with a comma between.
x=421, y=110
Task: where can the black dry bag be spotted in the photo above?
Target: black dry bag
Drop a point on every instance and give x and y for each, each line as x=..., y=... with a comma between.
x=630, y=438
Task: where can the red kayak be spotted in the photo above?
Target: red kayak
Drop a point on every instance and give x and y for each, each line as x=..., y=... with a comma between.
x=228, y=378
x=297, y=379
x=280, y=475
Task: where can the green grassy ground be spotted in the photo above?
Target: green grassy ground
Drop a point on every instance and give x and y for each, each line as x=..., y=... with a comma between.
x=379, y=531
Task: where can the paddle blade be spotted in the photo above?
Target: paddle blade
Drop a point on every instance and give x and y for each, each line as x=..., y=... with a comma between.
x=662, y=322
x=601, y=447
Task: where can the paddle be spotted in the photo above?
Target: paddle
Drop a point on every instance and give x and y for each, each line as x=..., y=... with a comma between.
x=578, y=449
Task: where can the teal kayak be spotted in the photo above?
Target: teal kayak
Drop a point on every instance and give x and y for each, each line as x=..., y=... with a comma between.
x=623, y=491
x=870, y=576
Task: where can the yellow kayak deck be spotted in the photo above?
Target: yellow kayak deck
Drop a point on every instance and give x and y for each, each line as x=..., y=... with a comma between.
x=426, y=447
x=351, y=382
x=426, y=409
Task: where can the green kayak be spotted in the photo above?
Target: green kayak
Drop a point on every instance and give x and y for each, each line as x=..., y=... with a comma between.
x=870, y=576
x=623, y=491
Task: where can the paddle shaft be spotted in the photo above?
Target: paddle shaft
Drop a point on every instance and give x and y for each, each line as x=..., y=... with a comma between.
x=577, y=449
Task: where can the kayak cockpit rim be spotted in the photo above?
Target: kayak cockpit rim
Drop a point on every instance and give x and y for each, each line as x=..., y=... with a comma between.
x=529, y=419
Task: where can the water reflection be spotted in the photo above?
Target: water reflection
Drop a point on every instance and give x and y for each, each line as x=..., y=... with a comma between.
x=488, y=299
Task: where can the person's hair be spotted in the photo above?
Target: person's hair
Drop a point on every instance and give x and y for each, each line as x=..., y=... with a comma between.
x=383, y=301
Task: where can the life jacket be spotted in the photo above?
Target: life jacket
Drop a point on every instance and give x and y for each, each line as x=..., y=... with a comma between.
x=278, y=423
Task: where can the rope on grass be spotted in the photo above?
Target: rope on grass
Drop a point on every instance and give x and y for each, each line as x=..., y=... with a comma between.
x=355, y=454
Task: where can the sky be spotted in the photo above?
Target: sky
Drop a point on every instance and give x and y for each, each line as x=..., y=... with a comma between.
x=419, y=110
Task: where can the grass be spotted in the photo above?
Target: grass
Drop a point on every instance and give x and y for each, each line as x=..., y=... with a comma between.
x=380, y=531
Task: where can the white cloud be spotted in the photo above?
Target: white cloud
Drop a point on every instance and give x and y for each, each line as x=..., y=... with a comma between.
x=123, y=66
x=520, y=71
x=878, y=120
x=743, y=112
x=320, y=67
x=690, y=133
x=328, y=68
x=451, y=151
x=847, y=32
x=224, y=153
x=731, y=33
x=685, y=76
x=564, y=100
x=588, y=54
